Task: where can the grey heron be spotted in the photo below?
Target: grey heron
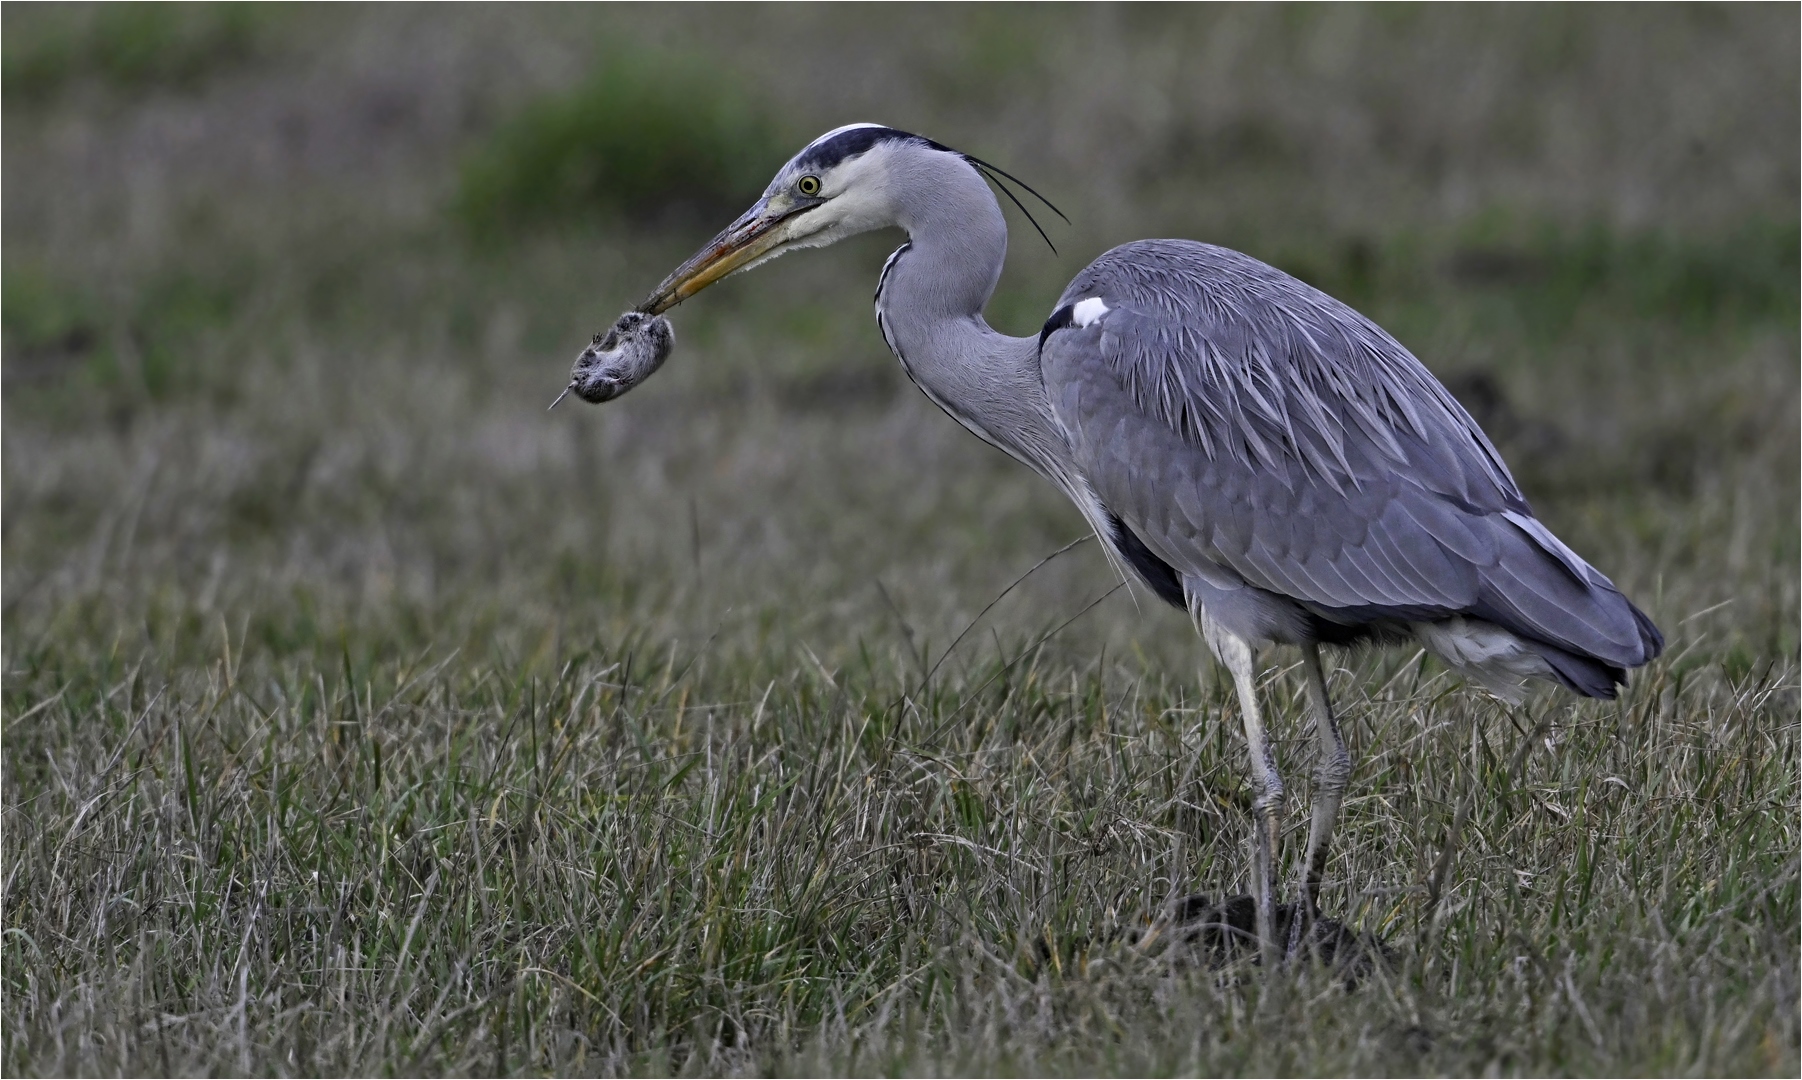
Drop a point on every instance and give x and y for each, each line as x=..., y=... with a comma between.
x=1257, y=453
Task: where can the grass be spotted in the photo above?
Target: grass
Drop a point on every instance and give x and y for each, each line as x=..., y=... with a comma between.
x=643, y=134
x=131, y=47
x=624, y=861
x=360, y=717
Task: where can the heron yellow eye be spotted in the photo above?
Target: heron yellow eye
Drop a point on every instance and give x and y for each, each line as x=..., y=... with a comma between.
x=808, y=185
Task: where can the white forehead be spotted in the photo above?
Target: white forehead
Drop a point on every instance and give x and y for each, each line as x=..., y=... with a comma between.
x=850, y=141
x=854, y=156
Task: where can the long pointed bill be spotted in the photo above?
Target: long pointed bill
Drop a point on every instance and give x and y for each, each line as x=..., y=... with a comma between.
x=741, y=243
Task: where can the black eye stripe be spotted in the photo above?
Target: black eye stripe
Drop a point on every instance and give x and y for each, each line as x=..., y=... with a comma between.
x=849, y=144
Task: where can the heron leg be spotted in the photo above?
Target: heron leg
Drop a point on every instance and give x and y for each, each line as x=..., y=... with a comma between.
x=1331, y=773
x=1267, y=787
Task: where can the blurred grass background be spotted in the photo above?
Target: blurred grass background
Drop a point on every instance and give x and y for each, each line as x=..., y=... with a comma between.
x=292, y=551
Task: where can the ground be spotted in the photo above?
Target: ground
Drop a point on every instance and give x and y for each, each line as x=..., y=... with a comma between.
x=361, y=716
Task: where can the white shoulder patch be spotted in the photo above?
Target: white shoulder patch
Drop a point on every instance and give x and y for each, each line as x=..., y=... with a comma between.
x=1087, y=311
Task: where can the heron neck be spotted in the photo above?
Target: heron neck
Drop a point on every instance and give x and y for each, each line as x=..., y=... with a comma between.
x=929, y=304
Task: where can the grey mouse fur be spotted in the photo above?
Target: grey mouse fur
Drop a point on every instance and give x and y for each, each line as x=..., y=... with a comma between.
x=626, y=355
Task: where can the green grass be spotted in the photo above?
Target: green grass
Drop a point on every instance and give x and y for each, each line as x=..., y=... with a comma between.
x=359, y=716
x=645, y=133
x=129, y=47
x=627, y=859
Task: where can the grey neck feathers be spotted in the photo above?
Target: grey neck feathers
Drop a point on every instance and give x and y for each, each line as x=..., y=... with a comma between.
x=930, y=305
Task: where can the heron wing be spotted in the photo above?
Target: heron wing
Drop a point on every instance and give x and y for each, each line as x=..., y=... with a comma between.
x=1242, y=423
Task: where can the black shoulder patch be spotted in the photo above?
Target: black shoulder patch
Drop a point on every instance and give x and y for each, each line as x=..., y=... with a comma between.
x=1060, y=318
x=1158, y=574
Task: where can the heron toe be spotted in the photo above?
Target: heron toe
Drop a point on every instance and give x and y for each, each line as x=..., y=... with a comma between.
x=1227, y=931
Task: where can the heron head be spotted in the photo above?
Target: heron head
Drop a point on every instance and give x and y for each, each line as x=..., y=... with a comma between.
x=838, y=186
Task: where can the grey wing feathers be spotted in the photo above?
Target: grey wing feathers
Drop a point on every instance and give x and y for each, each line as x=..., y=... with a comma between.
x=1239, y=420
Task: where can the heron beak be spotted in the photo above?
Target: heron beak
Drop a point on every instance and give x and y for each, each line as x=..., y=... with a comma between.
x=743, y=242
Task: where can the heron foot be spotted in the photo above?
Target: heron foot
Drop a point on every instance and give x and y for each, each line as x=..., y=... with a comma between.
x=1228, y=931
